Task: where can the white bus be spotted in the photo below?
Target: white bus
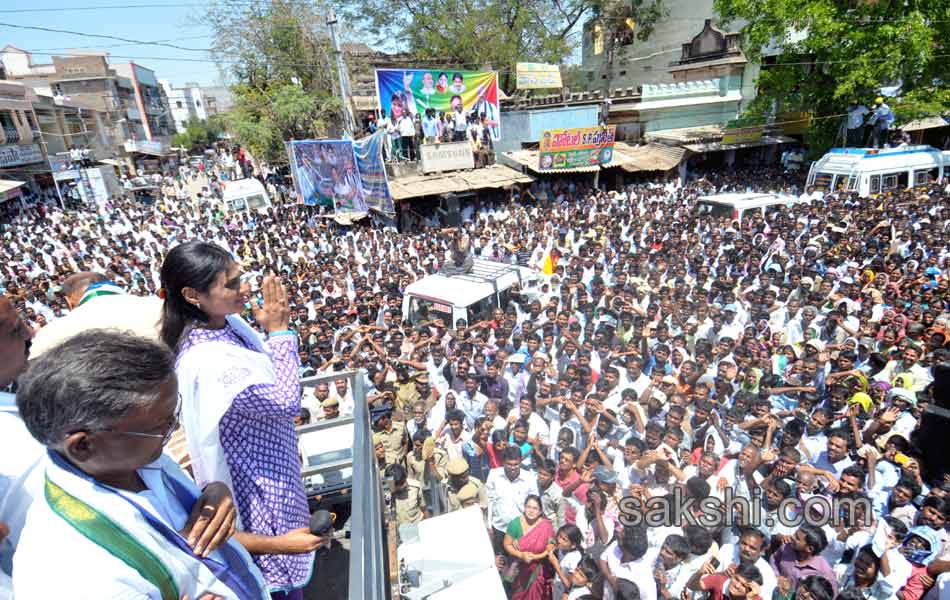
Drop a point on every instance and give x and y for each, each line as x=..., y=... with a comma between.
x=870, y=171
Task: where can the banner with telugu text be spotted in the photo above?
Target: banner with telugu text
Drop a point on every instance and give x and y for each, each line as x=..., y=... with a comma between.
x=538, y=76
x=412, y=91
x=575, y=148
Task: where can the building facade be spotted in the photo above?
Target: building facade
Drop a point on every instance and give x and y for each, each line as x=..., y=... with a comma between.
x=186, y=103
x=612, y=57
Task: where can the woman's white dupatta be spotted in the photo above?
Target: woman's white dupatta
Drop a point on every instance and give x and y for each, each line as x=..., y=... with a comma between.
x=210, y=376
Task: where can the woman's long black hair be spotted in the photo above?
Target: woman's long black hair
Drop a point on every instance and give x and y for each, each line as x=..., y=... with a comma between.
x=195, y=265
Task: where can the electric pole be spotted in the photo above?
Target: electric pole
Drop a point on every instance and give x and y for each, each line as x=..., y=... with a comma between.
x=349, y=123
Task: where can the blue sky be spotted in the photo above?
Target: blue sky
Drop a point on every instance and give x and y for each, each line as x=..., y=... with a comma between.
x=173, y=21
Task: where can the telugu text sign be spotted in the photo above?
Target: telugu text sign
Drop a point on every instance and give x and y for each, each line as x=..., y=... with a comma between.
x=447, y=157
x=538, y=76
x=577, y=147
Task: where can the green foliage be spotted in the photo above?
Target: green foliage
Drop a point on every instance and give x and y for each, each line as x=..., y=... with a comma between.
x=278, y=53
x=198, y=134
x=486, y=33
x=834, y=51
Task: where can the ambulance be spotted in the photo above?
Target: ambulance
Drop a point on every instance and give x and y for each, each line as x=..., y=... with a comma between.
x=871, y=171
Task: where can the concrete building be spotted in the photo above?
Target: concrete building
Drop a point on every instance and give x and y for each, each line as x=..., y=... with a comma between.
x=217, y=98
x=186, y=103
x=611, y=56
x=696, y=110
x=150, y=101
x=24, y=169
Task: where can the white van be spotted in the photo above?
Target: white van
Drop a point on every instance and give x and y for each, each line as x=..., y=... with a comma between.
x=736, y=205
x=870, y=171
x=245, y=195
x=472, y=296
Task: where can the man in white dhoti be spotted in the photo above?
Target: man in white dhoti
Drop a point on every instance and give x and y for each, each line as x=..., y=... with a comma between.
x=117, y=518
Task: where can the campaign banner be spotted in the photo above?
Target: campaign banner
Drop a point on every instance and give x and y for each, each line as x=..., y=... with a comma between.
x=577, y=147
x=455, y=156
x=538, y=76
x=325, y=174
x=412, y=91
x=369, y=163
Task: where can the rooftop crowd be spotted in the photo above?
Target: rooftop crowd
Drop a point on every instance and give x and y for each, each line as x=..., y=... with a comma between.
x=786, y=356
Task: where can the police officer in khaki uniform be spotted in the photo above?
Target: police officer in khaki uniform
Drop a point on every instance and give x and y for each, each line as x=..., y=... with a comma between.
x=331, y=408
x=379, y=449
x=393, y=434
x=458, y=478
x=417, y=389
x=468, y=495
x=407, y=494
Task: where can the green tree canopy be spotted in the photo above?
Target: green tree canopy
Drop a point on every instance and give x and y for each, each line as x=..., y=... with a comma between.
x=489, y=33
x=278, y=53
x=198, y=135
x=835, y=51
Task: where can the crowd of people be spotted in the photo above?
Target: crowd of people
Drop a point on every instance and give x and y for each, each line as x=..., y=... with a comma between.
x=665, y=355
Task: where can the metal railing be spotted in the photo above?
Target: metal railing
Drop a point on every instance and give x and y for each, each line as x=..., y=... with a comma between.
x=11, y=134
x=368, y=573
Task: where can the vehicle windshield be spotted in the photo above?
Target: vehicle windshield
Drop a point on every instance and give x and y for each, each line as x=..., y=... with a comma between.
x=713, y=209
x=422, y=309
x=256, y=201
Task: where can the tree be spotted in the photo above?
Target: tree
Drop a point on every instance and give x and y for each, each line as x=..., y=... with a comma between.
x=835, y=51
x=198, y=135
x=489, y=33
x=278, y=53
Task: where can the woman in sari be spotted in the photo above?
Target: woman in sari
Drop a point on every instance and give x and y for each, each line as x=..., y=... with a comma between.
x=528, y=541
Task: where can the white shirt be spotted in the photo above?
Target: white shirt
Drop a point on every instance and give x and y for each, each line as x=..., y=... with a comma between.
x=21, y=479
x=75, y=558
x=506, y=497
x=638, y=571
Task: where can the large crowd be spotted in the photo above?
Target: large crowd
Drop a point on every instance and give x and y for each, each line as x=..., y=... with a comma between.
x=666, y=355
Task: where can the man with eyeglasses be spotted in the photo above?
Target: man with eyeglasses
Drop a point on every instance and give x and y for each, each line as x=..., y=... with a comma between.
x=117, y=517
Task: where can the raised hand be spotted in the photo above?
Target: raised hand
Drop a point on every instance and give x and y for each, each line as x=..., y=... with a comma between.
x=274, y=315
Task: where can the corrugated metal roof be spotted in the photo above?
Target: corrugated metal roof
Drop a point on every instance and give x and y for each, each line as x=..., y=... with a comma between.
x=687, y=135
x=649, y=157
x=719, y=146
x=926, y=123
x=416, y=186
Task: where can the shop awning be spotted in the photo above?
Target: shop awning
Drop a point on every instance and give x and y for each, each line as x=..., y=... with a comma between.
x=686, y=135
x=416, y=186
x=8, y=184
x=9, y=189
x=111, y=161
x=926, y=123
x=649, y=157
x=766, y=140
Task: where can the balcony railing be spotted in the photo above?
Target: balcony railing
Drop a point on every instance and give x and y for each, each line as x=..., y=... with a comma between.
x=11, y=134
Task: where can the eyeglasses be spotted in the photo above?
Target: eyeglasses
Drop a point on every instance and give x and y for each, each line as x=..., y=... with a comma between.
x=165, y=437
